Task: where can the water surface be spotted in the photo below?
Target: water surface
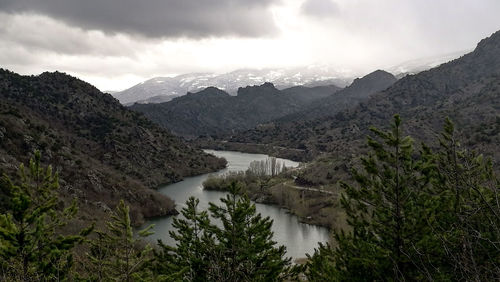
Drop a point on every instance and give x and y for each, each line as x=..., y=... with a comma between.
x=299, y=238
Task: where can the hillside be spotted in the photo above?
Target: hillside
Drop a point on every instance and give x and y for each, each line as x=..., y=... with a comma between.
x=215, y=112
x=466, y=89
x=103, y=151
x=306, y=94
x=360, y=90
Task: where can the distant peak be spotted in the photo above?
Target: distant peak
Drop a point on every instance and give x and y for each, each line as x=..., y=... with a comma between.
x=264, y=85
x=213, y=88
x=268, y=84
x=209, y=91
x=265, y=89
x=379, y=71
x=378, y=75
x=489, y=43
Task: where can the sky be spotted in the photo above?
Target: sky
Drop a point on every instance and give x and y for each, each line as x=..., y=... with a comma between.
x=115, y=44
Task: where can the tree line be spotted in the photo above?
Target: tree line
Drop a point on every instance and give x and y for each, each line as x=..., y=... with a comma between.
x=269, y=167
x=412, y=214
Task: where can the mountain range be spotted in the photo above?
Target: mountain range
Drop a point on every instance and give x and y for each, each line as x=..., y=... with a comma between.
x=214, y=112
x=466, y=89
x=102, y=151
x=163, y=89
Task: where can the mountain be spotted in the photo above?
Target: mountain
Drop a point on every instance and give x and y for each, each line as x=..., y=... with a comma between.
x=102, y=151
x=214, y=112
x=422, y=64
x=164, y=89
x=360, y=90
x=466, y=89
x=156, y=99
x=308, y=94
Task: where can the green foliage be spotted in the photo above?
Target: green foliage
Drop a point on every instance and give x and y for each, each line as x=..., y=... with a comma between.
x=116, y=254
x=238, y=248
x=191, y=258
x=416, y=216
x=383, y=210
x=31, y=245
x=245, y=241
x=466, y=211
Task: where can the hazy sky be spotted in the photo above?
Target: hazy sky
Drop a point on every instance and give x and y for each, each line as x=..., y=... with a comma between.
x=115, y=44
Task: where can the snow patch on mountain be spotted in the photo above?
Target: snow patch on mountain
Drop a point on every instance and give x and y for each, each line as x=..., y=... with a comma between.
x=163, y=89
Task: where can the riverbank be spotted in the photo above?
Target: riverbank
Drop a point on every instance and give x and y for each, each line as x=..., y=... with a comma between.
x=298, y=155
x=312, y=205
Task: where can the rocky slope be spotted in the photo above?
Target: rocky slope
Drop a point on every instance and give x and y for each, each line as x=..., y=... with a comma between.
x=215, y=112
x=360, y=90
x=103, y=151
x=466, y=89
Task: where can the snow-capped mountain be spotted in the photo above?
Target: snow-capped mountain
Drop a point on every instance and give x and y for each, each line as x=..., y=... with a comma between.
x=163, y=89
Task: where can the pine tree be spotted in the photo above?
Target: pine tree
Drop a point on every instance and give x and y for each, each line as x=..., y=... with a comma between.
x=416, y=216
x=383, y=211
x=238, y=248
x=466, y=211
x=245, y=241
x=191, y=258
x=31, y=247
x=116, y=254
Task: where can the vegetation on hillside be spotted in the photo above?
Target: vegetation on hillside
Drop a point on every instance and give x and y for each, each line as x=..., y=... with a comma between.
x=102, y=151
x=32, y=247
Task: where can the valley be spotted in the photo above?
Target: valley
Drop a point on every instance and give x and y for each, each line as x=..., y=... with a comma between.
x=285, y=173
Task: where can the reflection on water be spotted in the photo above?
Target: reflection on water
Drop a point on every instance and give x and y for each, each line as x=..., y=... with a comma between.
x=298, y=238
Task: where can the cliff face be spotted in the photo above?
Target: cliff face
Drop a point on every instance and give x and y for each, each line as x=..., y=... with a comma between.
x=103, y=151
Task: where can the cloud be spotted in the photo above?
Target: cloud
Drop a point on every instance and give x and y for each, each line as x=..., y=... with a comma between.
x=321, y=9
x=41, y=33
x=363, y=35
x=157, y=18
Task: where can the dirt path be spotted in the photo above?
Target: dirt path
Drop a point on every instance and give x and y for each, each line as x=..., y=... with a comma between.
x=319, y=190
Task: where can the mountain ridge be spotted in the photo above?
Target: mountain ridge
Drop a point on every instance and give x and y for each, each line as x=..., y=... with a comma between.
x=360, y=89
x=165, y=88
x=214, y=112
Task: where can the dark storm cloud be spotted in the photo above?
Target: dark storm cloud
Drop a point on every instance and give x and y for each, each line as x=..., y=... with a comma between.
x=157, y=18
x=320, y=8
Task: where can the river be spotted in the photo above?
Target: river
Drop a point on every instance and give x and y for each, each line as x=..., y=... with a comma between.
x=299, y=238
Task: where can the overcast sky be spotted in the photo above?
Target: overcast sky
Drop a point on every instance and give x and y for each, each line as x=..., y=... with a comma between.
x=115, y=44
